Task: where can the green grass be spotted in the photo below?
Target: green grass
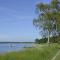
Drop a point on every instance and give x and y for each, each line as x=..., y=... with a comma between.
x=40, y=52
x=58, y=57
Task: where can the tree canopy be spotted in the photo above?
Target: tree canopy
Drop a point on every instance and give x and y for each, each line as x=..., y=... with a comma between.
x=48, y=17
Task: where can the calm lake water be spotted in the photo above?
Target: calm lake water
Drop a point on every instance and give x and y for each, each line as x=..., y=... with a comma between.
x=8, y=47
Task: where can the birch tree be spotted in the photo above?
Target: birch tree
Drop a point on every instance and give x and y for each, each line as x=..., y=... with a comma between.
x=48, y=16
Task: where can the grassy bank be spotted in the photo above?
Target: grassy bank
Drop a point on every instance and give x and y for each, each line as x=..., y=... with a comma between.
x=58, y=57
x=40, y=52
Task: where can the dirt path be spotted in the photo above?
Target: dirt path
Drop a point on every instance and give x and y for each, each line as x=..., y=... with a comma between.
x=56, y=55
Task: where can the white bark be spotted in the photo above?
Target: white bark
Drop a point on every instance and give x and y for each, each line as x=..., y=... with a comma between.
x=48, y=37
x=56, y=27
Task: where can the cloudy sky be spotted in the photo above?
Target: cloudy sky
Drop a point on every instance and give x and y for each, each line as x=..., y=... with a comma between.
x=16, y=18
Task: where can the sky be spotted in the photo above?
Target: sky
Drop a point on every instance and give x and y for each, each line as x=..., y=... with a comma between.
x=16, y=20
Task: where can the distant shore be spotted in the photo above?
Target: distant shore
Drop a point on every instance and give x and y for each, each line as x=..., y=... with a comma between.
x=17, y=42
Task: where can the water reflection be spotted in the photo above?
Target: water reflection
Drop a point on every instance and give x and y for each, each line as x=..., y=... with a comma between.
x=8, y=47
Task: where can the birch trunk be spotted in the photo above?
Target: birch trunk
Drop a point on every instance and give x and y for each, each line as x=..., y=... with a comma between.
x=48, y=37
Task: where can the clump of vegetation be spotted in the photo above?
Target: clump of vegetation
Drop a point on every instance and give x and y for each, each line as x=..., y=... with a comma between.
x=52, y=40
x=43, y=40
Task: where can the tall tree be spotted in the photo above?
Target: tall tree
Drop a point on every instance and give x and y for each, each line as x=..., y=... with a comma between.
x=48, y=18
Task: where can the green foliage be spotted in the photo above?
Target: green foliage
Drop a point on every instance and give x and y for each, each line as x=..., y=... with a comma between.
x=54, y=39
x=48, y=13
x=43, y=40
x=49, y=17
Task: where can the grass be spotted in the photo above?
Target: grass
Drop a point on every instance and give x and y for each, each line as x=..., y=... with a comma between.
x=58, y=57
x=40, y=52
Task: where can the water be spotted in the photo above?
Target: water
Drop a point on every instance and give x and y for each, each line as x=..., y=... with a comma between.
x=8, y=47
